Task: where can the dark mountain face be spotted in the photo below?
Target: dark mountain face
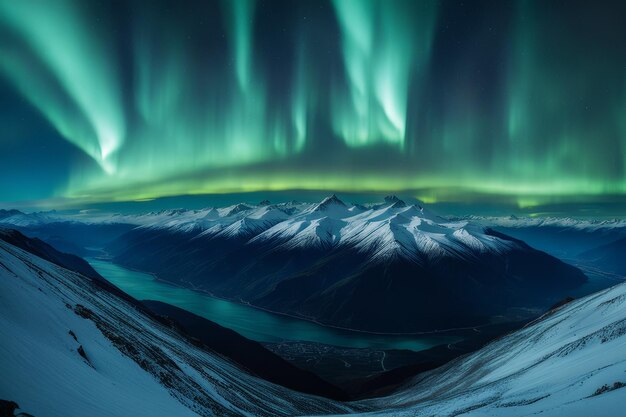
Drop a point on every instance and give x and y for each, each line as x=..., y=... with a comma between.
x=399, y=295
x=346, y=286
x=8, y=213
x=250, y=355
x=72, y=237
x=564, y=242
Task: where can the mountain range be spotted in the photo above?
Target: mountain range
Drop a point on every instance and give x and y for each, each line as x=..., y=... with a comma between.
x=386, y=267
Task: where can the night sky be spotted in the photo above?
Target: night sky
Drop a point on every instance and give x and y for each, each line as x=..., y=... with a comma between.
x=106, y=101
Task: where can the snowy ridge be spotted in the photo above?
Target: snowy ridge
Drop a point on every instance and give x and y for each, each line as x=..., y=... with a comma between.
x=70, y=348
x=331, y=206
x=388, y=230
x=561, y=222
x=19, y=219
x=235, y=221
x=394, y=229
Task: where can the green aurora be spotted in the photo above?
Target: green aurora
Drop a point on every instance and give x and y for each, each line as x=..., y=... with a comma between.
x=523, y=99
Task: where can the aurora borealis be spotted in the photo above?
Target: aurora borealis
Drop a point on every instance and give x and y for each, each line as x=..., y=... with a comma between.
x=129, y=100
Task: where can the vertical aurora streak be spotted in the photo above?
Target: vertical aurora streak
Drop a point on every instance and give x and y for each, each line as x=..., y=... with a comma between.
x=73, y=55
x=383, y=47
x=240, y=16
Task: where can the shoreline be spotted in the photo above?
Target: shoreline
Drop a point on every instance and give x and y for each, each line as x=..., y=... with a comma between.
x=293, y=316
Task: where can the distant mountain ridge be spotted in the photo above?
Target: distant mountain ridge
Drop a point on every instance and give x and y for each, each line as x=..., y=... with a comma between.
x=567, y=238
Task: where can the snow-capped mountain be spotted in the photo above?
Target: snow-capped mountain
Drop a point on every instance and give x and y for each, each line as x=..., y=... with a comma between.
x=71, y=347
x=385, y=230
x=332, y=262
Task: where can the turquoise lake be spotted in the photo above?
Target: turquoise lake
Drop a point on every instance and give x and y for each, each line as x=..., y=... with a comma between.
x=253, y=323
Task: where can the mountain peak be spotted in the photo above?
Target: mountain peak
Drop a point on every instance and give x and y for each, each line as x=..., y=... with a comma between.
x=264, y=203
x=331, y=201
x=212, y=213
x=11, y=212
x=394, y=201
x=172, y=212
x=238, y=209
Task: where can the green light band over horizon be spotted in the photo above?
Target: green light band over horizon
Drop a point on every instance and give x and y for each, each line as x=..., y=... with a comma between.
x=524, y=99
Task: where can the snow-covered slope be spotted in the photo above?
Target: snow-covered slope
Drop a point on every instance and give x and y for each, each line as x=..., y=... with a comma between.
x=571, y=362
x=71, y=348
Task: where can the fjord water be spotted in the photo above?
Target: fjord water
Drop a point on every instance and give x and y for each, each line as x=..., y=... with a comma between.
x=253, y=323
